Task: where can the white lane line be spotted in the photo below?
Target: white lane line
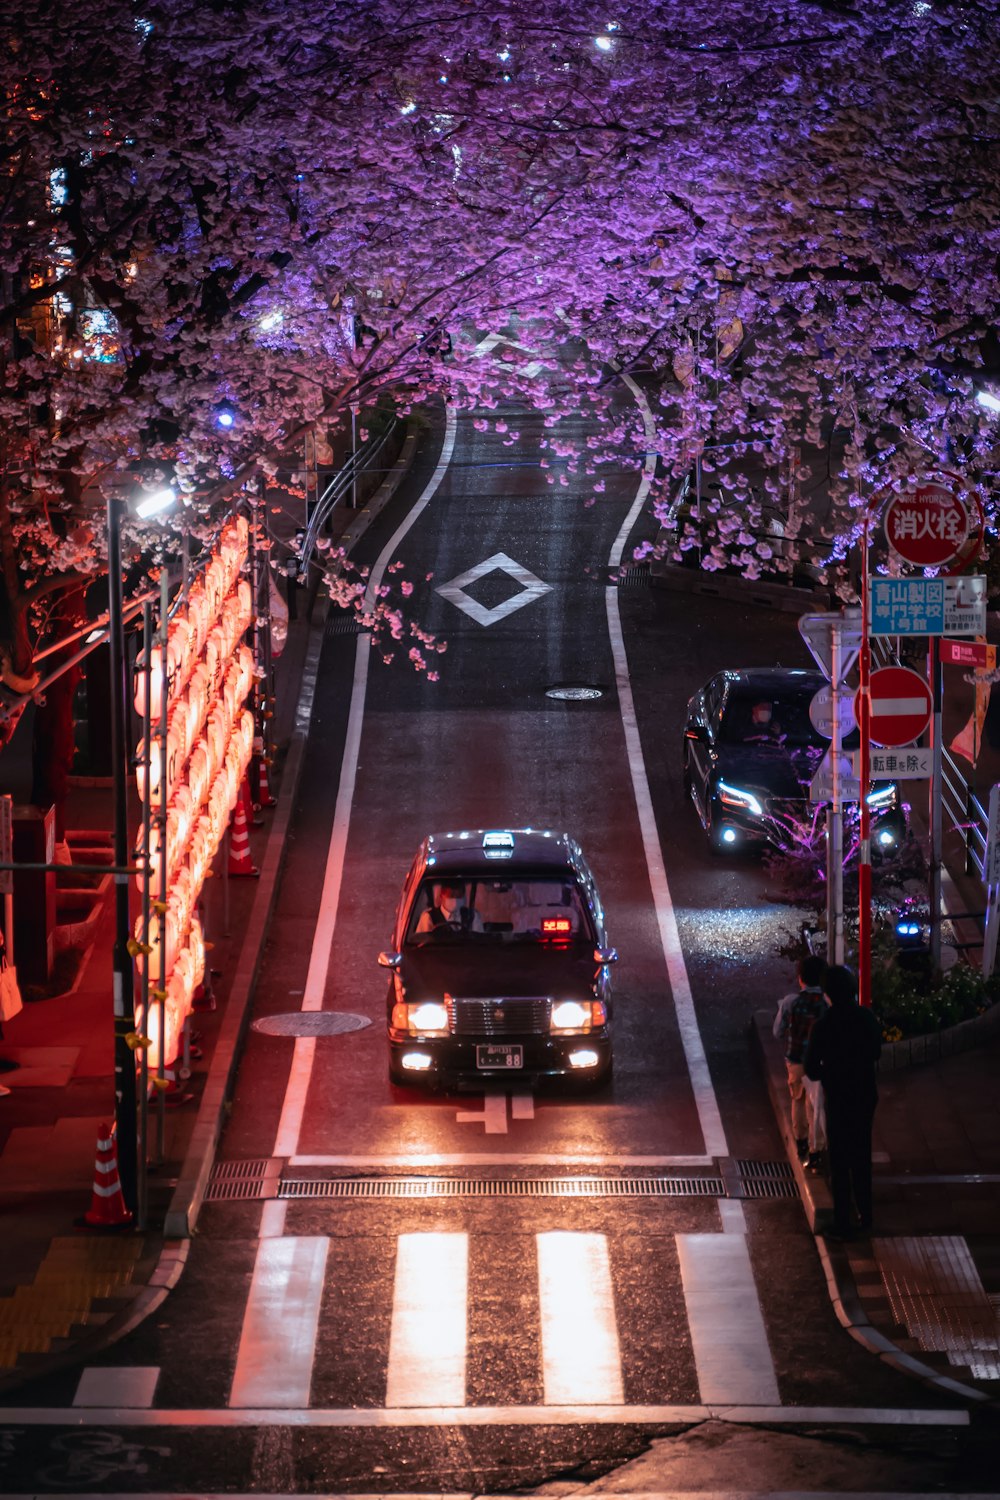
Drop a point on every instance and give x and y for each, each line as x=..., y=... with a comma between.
x=484, y=1416
x=734, y=1220
x=278, y=1342
x=122, y=1385
x=581, y=1360
x=522, y=1106
x=428, y=1337
x=687, y=1021
x=731, y=1353
x=417, y=1163
x=300, y=1074
x=272, y=1219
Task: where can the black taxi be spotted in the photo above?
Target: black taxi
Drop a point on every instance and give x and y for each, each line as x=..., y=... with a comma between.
x=500, y=963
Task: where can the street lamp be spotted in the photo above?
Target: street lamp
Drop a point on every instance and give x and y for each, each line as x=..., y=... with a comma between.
x=152, y=503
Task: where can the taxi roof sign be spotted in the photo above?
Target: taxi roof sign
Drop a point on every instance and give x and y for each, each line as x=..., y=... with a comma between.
x=498, y=845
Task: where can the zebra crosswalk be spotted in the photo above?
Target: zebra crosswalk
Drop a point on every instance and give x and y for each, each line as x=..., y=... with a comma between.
x=433, y=1322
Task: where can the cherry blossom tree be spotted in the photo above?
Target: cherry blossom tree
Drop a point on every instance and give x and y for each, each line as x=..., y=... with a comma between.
x=784, y=218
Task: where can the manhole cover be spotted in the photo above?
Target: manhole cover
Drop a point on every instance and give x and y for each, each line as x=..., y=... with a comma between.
x=311, y=1023
x=574, y=692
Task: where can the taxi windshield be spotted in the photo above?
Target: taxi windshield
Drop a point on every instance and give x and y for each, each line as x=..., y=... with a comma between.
x=473, y=909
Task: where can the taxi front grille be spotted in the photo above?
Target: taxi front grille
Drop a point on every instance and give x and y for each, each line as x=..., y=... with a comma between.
x=521, y=1015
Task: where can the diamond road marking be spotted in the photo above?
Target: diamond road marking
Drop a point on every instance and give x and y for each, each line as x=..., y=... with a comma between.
x=531, y=588
x=492, y=340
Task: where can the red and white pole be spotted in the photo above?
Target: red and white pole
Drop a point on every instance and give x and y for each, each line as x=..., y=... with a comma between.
x=865, y=846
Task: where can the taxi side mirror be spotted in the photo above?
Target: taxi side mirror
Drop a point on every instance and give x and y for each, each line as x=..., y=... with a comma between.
x=390, y=960
x=605, y=955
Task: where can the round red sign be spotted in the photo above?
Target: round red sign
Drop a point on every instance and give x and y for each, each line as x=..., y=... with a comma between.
x=901, y=706
x=928, y=526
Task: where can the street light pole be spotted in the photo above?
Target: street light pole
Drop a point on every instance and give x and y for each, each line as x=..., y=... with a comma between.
x=123, y=995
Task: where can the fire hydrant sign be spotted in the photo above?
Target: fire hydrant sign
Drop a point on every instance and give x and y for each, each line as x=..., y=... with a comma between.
x=928, y=526
x=901, y=706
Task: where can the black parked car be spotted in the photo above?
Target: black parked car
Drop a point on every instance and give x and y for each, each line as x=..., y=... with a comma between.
x=500, y=963
x=750, y=753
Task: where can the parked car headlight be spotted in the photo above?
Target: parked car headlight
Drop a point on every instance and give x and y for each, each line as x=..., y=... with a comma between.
x=735, y=796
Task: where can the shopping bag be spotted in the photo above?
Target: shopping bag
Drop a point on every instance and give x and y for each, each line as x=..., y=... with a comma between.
x=10, y=994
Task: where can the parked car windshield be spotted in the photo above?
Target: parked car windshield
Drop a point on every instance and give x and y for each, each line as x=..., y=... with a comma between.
x=471, y=909
x=769, y=718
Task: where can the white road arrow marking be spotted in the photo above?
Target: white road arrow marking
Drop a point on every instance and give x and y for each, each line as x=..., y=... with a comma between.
x=493, y=1116
x=494, y=1112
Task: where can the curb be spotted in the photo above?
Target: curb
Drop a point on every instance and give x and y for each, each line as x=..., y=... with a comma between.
x=192, y=1184
x=817, y=1203
x=783, y=596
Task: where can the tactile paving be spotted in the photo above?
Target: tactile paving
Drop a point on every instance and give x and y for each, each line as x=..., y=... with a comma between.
x=935, y=1293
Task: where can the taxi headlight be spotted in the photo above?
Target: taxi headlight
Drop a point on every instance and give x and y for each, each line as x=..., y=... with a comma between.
x=428, y=1016
x=570, y=1015
x=577, y=1015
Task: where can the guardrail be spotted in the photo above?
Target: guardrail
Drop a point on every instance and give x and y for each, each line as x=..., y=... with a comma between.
x=342, y=482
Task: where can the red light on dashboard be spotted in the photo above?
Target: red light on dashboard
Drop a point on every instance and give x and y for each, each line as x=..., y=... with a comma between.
x=556, y=926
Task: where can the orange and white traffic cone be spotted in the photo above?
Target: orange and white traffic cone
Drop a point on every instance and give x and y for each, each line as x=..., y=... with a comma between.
x=240, y=862
x=266, y=800
x=107, y=1206
x=250, y=807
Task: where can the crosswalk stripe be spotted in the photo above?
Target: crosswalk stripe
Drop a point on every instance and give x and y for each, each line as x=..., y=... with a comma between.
x=427, y=1342
x=581, y=1360
x=731, y=1352
x=278, y=1342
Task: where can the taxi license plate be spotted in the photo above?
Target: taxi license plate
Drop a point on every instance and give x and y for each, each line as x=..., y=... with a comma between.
x=499, y=1055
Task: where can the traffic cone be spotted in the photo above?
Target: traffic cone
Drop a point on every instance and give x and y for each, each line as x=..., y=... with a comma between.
x=266, y=800
x=240, y=862
x=250, y=807
x=107, y=1206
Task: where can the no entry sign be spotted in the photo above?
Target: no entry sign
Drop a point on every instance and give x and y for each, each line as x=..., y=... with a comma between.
x=928, y=526
x=901, y=706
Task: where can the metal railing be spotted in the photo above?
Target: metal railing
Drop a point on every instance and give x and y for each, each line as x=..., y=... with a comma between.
x=339, y=486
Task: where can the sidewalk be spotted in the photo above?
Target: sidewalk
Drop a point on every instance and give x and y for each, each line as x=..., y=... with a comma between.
x=923, y=1292
x=65, y=1290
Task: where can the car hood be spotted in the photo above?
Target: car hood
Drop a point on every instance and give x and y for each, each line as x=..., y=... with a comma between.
x=485, y=970
x=775, y=770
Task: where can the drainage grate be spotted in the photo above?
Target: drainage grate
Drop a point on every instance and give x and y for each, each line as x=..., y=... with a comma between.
x=344, y=622
x=637, y=576
x=766, y=1179
x=502, y=1187
x=236, y=1181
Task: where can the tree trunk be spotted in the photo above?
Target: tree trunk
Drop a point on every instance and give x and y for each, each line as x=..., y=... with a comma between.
x=53, y=747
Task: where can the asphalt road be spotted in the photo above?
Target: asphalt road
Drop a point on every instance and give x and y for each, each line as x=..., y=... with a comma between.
x=390, y=1343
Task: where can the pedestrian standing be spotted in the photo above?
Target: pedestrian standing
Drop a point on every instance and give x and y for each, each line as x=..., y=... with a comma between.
x=842, y=1054
x=794, y=1019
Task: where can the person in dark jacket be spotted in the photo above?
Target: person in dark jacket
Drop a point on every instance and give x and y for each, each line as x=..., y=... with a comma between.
x=842, y=1054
